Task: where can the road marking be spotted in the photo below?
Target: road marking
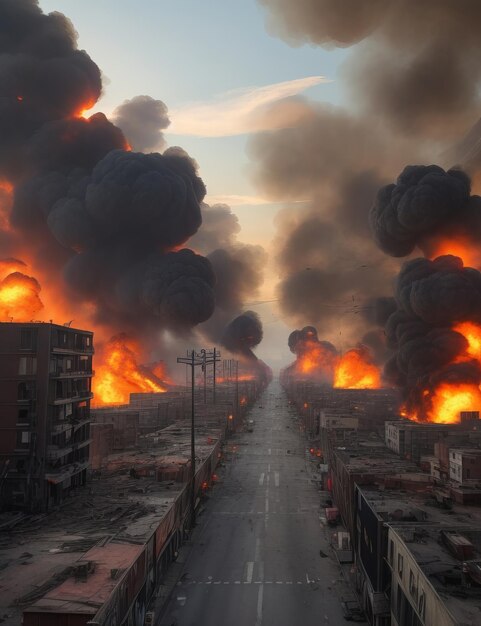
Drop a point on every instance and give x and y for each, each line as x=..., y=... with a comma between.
x=268, y=478
x=217, y=582
x=237, y=582
x=261, y=479
x=250, y=571
x=276, y=478
x=267, y=504
x=226, y=582
x=269, y=467
x=260, y=600
x=269, y=451
x=257, y=552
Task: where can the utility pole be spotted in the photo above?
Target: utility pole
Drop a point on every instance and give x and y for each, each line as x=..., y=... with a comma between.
x=195, y=359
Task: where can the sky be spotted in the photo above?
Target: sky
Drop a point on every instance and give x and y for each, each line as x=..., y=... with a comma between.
x=213, y=64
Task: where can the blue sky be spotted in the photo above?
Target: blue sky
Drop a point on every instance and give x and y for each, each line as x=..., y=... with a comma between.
x=192, y=54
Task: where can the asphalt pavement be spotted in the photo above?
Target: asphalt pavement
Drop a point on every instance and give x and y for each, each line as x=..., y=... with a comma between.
x=256, y=554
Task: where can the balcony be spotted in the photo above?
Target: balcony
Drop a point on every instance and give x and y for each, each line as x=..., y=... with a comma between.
x=72, y=374
x=81, y=395
x=57, y=452
x=65, y=472
x=73, y=350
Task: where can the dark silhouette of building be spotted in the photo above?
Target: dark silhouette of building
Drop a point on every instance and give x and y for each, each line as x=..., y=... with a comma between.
x=45, y=392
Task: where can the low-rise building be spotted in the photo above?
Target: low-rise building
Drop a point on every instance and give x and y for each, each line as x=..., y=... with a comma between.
x=465, y=465
x=434, y=575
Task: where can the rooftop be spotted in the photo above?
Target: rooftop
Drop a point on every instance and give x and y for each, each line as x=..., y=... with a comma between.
x=443, y=570
x=107, y=522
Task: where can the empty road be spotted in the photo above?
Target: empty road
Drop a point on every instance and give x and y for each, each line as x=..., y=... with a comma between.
x=256, y=554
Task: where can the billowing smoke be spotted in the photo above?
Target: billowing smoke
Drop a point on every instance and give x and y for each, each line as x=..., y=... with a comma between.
x=416, y=65
x=243, y=334
x=240, y=338
x=142, y=120
x=238, y=267
x=411, y=99
x=425, y=207
x=99, y=225
x=432, y=345
x=328, y=264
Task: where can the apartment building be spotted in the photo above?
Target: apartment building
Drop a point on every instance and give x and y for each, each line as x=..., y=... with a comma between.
x=45, y=393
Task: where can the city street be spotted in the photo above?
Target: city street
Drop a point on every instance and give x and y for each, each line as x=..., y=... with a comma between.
x=260, y=555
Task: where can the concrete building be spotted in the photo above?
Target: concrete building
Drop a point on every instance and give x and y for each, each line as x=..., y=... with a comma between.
x=430, y=575
x=465, y=465
x=45, y=392
x=412, y=440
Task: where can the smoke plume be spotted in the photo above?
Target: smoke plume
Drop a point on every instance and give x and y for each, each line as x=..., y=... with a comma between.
x=99, y=226
x=142, y=120
x=416, y=65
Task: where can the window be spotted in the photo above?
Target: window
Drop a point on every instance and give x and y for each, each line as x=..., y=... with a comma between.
x=27, y=365
x=400, y=562
x=23, y=439
x=422, y=605
x=391, y=551
x=26, y=391
x=28, y=339
x=23, y=416
x=412, y=584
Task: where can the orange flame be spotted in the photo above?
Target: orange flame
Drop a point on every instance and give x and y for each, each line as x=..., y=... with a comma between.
x=84, y=108
x=447, y=401
x=472, y=334
x=121, y=374
x=355, y=370
x=19, y=294
x=458, y=246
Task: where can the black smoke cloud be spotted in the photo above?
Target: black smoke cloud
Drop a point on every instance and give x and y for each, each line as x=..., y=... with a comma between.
x=432, y=297
x=425, y=204
x=99, y=221
x=142, y=120
x=243, y=334
x=416, y=65
x=238, y=267
x=44, y=77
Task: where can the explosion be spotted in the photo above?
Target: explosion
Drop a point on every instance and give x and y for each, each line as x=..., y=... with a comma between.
x=436, y=331
x=19, y=293
x=315, y=359
x=320, y=361
x=355, y=370
x=121, y=374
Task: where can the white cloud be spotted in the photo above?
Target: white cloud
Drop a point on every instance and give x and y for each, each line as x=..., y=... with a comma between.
x=237, y=200
x=243, y=110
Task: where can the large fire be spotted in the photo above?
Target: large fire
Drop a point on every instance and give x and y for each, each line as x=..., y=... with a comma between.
x=19, y=293
x=444, y=403
x=355, y=370
x=315, y=357
x=120, y=373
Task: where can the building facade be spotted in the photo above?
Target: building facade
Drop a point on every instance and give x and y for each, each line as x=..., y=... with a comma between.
x=45, y=393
